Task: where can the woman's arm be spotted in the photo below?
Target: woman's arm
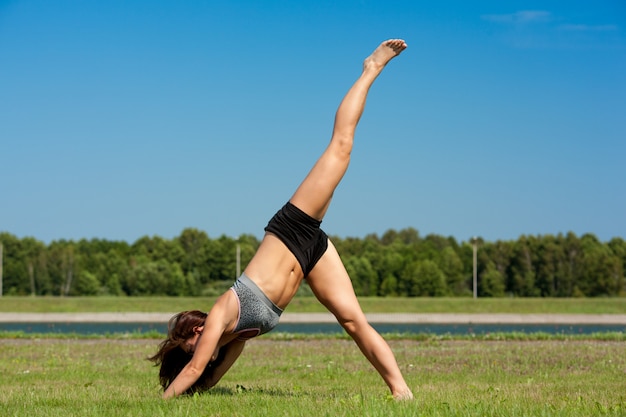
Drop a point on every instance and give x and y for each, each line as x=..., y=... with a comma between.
x=231, y=353
x=192, y=371
x=221, y=316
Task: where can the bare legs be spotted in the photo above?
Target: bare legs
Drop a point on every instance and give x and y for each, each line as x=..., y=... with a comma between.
x=332, y=286
x=329, y=280
x=314, y=194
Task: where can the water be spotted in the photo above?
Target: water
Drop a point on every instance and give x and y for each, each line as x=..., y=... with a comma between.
x=326, y=328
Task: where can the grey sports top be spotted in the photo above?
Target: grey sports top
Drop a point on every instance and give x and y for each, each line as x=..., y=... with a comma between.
x=257, y=313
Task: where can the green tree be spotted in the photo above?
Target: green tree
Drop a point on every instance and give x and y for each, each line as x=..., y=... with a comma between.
x=363, y=276
x=147, y=277
x=600, y=270
x=451, y=265
x=15, y=272
x=389, y=286
x=156, y=248
x=198, y=251
x=62, y=266
x=425, y=279
x=572, y=250
x=618, y=247
x=523, y=268
x=248, y=245
x=500, y=254
x=108, y=269
x=86, y=284
x=389, y=270
x=545, y=267
x=491, y=282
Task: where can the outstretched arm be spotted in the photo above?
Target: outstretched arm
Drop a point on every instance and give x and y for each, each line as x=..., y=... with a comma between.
x=192, y=371
x=223, y=313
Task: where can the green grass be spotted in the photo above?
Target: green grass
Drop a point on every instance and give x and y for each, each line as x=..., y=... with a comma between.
x=508, y=374
x=282, y=336
x=310, y=304
x=320, y=377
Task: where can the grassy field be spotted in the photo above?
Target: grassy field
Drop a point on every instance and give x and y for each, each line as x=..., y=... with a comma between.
x=296, y=375
x=310, y=304
x=313, y=377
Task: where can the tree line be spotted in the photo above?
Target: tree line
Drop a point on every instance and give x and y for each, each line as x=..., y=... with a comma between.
x=398, y=263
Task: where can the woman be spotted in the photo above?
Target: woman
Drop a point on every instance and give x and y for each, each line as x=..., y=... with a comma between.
x=200, y=348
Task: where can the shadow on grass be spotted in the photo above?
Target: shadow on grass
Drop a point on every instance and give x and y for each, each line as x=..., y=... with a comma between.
x=240, y=389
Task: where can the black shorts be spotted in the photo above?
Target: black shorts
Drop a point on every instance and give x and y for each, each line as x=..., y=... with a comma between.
x=301, y=233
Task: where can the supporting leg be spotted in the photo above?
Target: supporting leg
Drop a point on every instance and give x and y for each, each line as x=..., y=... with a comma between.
x=332, y=286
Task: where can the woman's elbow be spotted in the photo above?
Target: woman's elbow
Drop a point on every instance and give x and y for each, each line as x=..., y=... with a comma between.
x=194, y=371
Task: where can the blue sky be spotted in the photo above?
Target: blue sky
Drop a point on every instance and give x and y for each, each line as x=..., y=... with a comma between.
x=122, y=119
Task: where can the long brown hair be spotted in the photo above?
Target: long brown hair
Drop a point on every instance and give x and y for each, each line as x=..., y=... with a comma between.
x=172, y=357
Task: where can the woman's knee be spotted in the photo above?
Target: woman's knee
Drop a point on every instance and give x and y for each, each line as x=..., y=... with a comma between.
x=341, y=145
x=354, y=326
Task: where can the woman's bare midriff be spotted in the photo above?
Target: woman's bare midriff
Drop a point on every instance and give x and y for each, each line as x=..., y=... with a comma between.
x=275, y=270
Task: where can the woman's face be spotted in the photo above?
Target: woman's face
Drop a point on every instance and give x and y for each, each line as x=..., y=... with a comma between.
x=190, y=344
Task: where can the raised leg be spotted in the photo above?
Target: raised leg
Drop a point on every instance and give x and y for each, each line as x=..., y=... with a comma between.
x=332, y=287
x=314, y=194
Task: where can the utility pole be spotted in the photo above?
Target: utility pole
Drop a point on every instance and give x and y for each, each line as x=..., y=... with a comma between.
x=475, y=275
x=238, y=261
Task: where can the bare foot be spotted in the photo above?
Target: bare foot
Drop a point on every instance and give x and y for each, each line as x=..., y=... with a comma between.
x=403, y=396
x=384, y=53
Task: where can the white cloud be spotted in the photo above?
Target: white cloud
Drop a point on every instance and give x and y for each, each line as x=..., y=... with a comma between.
x=588, y=28
x=520, y=17
x=542, y=29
